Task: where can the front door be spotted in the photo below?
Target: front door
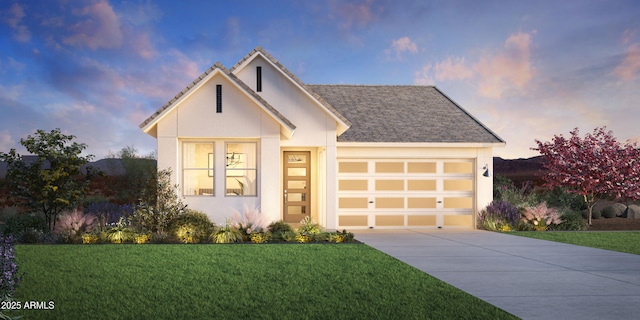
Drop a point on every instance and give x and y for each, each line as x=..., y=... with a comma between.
x=297, y=185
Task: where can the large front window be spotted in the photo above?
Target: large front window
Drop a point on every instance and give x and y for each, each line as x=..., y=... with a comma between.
x=198, y=169
x=241, y=169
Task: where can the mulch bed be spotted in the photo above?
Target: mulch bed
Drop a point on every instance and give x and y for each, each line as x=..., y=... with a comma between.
x=614, y=224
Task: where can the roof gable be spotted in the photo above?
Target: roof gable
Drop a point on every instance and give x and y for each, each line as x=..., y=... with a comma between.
x=403, y=114
x=343, y=122
x=148, y=126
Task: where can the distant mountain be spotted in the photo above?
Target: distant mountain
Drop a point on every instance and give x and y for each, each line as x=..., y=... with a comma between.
x=518, y=170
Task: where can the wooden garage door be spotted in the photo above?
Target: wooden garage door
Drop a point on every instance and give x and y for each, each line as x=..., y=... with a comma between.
x=393, y=193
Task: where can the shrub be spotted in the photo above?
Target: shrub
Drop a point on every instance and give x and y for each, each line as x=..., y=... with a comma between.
x=71, y=225
x=497, y=215
x=278, y=229
x=120, y=233
x=287, y=236
x=227, y=234
x=33, y=235
x=279, y=226
x=160, y=207
x=339, y=237
x=249, y=221
x=191, y=227
x=90, y=238
x=505, y=190
x=22, y=222
x=541, y=216
x=560, y=198
x=260, y=237
x=609, y=212
x=141, y=238
x=308, y=226
x=571, y=221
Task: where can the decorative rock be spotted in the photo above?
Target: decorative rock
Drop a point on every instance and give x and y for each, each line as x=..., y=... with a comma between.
x=634, y=212
x=620, y=208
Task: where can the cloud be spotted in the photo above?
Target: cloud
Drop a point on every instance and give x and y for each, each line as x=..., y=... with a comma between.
x=506, y=69
x=399, y=46
x=143, y=47
x=452, y=69
x=629, y=68
x=511, y=67
x=423, y=77
x=98, y=27
x=14, y=19
x=354, y=13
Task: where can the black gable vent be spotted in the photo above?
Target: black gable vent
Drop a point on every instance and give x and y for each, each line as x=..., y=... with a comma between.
x=259, y=79
x=218, y=98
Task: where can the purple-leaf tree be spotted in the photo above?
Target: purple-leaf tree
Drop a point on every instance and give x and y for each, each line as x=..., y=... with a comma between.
x=592, y=166
x=628, y=185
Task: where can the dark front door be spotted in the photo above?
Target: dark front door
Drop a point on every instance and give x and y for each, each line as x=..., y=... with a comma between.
x=297, y=185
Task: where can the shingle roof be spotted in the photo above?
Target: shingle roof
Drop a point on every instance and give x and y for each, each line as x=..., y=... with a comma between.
x=381, y=113
x=235, y=79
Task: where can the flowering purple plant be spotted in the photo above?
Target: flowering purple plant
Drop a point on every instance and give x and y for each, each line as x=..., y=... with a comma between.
x=9, y=279
x=498, y=215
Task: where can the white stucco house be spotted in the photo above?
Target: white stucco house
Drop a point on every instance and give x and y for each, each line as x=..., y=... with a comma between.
x=348, y=156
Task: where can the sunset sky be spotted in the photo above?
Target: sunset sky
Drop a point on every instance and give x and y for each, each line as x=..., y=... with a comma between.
x=526, y=69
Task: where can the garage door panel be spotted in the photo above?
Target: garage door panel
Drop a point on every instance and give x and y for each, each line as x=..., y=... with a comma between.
x=353, y=203
x=389, y=220
x=389, y=185
x=353, y=185
x=458, y=203
x=389, y=203
x=421, y=167
x=421, y=203
x=458, y=185
x=389, y=167
x=421, y=185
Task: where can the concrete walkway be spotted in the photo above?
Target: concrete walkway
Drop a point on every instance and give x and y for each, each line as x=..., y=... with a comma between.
x=532, y=279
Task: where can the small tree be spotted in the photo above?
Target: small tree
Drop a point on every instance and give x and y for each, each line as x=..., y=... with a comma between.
x=592, y=166
x=52, y=181
x=159, y=205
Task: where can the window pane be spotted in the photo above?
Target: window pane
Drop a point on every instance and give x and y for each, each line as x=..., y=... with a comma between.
x=241, y=155
x=197, y=155
x=241, y=169
x=197, y=183
x=241, y=182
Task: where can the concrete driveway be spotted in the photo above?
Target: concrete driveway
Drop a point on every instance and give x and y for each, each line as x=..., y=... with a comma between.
x=530, y=278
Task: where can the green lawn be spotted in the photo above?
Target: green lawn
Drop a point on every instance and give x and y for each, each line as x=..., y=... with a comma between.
x=622, y=241
x=287, y=281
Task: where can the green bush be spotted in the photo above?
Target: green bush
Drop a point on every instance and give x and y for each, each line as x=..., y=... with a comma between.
x=596, y=213
x=191, y=227
x=20, y=223
x=281, y=231
x=609, y=212
x=560, y=198
x=279, y=226
x=571, y=220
